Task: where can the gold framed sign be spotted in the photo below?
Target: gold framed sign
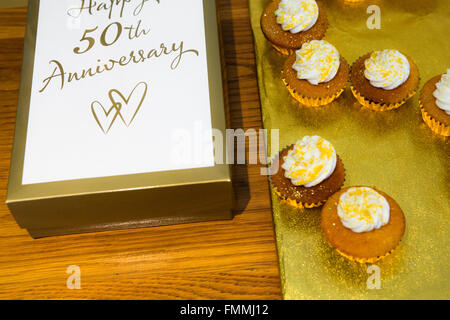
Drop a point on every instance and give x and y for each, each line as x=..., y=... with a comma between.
x=116, y=113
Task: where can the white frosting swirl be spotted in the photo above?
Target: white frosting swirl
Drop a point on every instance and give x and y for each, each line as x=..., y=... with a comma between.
x=387, y=69
x=311, y=161
x=362, y=209
x=297, y=15
x=442, y=92
x=317, y=61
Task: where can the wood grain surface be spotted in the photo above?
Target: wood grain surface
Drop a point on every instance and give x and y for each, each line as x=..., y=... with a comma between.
x=216, y=260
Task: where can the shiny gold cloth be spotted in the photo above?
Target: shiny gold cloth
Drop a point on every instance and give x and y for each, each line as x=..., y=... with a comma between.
x=393, y=151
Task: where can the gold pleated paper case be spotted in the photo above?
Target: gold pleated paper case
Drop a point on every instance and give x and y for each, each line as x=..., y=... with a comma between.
x=394, y=151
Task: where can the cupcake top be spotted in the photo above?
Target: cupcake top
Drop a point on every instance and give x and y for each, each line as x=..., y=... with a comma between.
x=317, y=61
x=297, y=15
x=387, y=69
x=362, y=209
x=442, y=92
x=311, y=161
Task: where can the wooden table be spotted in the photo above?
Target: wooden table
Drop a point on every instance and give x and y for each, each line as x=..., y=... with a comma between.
x=216, y=260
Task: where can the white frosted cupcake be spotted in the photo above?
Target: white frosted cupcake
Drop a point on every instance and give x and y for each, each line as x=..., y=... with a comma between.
x=435, y=103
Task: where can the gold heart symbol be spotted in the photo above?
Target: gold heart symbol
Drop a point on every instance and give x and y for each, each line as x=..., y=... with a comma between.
x=129, y=107
x=105, y=119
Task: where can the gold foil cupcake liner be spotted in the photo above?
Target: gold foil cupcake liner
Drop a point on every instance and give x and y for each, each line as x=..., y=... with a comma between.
x=435, y=126
x=294, y=203
x=377, y=106
x=283, y=51
x=310, y=101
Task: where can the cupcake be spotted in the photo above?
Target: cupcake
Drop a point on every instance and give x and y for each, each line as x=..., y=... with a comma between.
x=435, y=104
x=384, y=80
x=308, y=173
x=287, y=24
x=362, y=223
x=316, y=74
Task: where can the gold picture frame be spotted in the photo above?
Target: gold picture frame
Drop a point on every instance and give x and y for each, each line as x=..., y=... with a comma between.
x=127, y=201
